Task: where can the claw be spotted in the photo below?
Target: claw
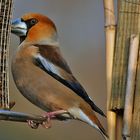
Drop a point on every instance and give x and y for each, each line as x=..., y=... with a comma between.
x=33, y=124
x=47, y=124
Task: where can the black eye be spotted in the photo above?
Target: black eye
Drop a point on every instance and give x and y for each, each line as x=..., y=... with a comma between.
x=33, y=21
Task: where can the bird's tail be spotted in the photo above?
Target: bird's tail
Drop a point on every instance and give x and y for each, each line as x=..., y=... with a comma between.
x=88, y=116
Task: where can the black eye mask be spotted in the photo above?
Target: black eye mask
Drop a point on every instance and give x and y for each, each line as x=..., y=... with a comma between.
x=30, y=22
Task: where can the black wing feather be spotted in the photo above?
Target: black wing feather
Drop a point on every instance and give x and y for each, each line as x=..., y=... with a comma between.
x=73, y=85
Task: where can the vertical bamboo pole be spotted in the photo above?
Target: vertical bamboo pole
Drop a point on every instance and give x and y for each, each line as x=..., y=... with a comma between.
x=5, y=16
x=128, y=17
x=135, y=125
x=110, y=42
x=130, y=87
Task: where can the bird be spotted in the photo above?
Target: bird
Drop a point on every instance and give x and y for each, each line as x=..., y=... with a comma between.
x=43, y=76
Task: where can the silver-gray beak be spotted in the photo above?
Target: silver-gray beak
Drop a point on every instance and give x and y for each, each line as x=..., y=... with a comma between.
x=19, y=27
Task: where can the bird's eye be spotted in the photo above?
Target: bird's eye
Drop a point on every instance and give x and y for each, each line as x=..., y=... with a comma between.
x=33, y=21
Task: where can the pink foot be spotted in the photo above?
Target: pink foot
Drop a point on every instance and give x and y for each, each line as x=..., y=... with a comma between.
x=50, y=116
x=47, y=123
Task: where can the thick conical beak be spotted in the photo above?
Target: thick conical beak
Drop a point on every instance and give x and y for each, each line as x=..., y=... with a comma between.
x=19, y=27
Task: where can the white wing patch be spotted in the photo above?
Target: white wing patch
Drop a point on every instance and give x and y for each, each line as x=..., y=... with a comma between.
x=48, y=65
x=77, y=113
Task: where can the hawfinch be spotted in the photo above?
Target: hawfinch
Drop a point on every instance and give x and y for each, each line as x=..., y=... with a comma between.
x=43, y=76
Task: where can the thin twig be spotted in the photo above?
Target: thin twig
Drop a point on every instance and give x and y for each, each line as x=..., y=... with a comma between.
x=20, y=117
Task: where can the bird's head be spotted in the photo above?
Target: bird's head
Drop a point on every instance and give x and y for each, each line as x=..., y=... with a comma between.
x=35, y=29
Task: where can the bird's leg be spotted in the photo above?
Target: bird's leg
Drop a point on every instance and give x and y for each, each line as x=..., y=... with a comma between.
x=48, y=116
x=51, y=115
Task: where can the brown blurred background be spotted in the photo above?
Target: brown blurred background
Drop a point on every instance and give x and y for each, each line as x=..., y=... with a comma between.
x=80, y=26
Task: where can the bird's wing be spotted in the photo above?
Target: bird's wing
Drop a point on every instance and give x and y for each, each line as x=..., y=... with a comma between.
x=51, y=61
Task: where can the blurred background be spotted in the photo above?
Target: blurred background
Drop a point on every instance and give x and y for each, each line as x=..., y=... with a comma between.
x=80, y=26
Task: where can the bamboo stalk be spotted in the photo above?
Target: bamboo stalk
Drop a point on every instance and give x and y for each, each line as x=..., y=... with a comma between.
x=135, y=125
x=130, y=87
x=119, y=122
x=128, y=19
x=5, y=16
x=110, y=41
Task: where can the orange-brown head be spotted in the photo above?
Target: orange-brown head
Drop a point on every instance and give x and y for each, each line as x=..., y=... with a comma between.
x=35, y=28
